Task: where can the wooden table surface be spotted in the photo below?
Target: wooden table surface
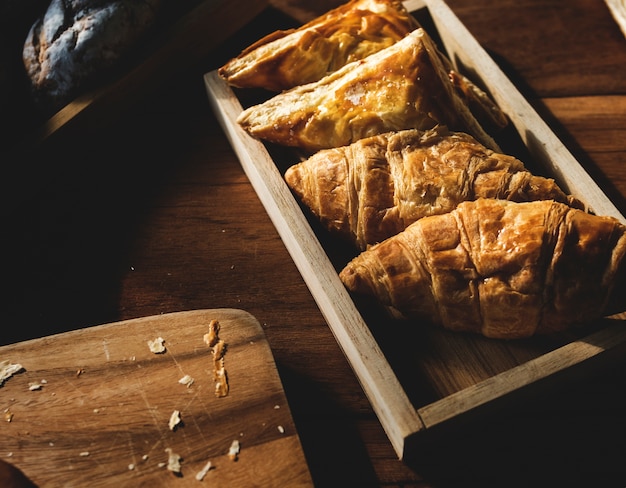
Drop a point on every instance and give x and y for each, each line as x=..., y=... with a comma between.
x=152, y=213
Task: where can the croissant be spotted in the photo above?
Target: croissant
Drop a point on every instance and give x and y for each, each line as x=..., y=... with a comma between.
x=284, y=59
x=499, y=268
x=377, y=186
x=406, y=85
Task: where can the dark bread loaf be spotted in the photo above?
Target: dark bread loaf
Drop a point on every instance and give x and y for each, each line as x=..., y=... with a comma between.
x=75, y=41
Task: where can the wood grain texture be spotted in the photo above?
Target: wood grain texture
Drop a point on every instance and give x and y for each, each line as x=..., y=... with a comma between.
x=153, y=213
x=101, y=417
x=561, y=37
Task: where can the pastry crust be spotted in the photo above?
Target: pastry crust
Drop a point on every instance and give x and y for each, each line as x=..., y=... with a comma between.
x=377, y=186
x=404, y=86
x=285, y=59
x=502, y=269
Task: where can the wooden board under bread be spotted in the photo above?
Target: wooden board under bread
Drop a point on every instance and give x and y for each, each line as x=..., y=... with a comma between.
x=421, y=378
x=101, y=416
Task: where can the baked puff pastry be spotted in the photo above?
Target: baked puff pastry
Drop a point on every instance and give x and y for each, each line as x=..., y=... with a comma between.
x=406, y=85
x=502, y=269
x=289, y=58
x=377, y=186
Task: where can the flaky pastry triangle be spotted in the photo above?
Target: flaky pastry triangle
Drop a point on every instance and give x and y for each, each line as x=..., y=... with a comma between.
x=406, y=85
x=288, y=58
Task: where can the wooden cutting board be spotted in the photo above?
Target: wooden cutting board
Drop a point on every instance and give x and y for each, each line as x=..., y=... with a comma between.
x=92, y=407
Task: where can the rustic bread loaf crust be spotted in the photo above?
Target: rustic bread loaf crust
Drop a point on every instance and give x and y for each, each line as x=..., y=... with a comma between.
x=77, y=40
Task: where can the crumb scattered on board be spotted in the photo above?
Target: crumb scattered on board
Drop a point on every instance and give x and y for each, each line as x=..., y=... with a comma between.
x=218, y=349
x=233, y=451
x=173, y=461
x=157, y=345
x=8, y=369
x=203, y=472
x=175, y=420
x=36, y=385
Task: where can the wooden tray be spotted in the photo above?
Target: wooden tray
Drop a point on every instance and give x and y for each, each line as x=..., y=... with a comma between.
x=421, y=379
x=101, y=417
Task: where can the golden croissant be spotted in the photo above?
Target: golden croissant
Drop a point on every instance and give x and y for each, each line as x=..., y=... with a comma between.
x=499, y=268
x=377, y=186
x=405, y=86
x=284, y=59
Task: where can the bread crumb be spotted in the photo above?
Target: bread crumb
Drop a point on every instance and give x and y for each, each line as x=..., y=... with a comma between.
x=175, y=420
x=84, y=454
x=8, y=369
x=211, y=337
x=8, y=415
x=203, y=472
x=221, y=383
x=186, y=380
x=34, y=385
x=218, y=350
x=173, y=461
x=156, y=346
x=233, y=451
